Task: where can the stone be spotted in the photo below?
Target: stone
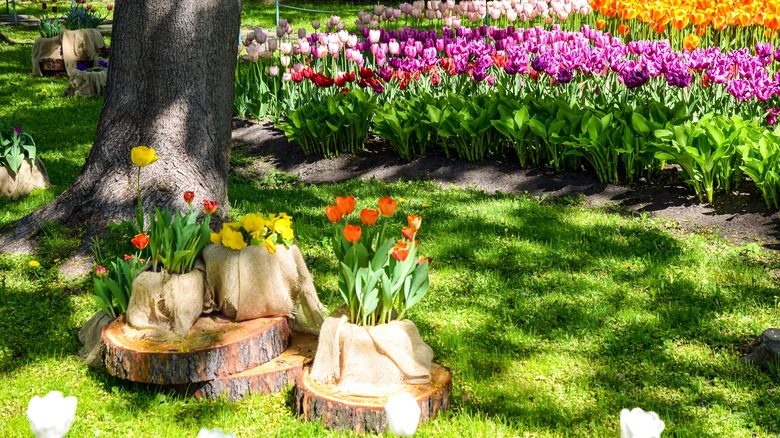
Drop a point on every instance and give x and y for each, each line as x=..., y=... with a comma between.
x=766, y=350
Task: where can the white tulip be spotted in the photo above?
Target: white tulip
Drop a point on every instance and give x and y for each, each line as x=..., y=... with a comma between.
x=637, y=423
x=403, y=414
x=52, y=415
x=215, y=433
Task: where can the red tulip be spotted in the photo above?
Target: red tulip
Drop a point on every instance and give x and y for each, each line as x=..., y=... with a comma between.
x=100, y=271
x=369, y=217
x=366, y=73
x=387, y=206
x=400, y=251
x=188, y=196
x=407, y=232
x=422, y=260
x=140, y=241
x=346, y=205
x=352, y=233
x=129, y=257
x=333, y=213
x=210, y=207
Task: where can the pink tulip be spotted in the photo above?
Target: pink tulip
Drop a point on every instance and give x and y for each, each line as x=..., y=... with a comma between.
x=273, y=70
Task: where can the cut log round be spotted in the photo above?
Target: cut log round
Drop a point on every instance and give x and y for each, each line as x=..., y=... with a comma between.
x=317, y=401
x=270, y=377
x=214, y=347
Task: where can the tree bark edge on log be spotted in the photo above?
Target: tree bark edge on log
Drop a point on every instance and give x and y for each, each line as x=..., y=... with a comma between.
x=315, y=401
x=237, y=346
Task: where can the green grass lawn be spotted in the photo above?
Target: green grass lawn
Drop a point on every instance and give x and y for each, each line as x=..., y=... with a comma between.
x=551, y=317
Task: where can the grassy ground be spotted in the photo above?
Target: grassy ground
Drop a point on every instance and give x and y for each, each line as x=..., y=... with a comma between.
x=552, y=317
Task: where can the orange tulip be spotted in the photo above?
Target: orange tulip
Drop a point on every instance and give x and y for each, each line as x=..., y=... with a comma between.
x=659, y=28
x=346, y=205
x=698, y=18
x=400, y=251
x=333, y=213
x=743, y=18
x=701, y=31
x=369, y=217
x=691, y=42
x=623, y=29
x=414, y=222
x=352, y=233
x=772, y=22
x=679, y=23
x=408, y=233
x=140, y=241
x=387, y=206
x=718, y=22
x=601, y=24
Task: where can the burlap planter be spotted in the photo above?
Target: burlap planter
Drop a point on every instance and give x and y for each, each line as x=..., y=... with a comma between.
x=24, y=181
x=164, y=305
x=371, y=361
x=253, y=283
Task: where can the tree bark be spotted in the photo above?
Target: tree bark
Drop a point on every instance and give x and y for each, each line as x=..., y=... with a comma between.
x=325, y=402
x=215, y=347
x=170, y=87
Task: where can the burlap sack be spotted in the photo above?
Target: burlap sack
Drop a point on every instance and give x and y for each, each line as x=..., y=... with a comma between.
x=70, y=45
x=165, y=306
x=91, y=337
x=253, y=283
x=86, y=83
x=371, y=361
x=45, y=48
x=24, y=181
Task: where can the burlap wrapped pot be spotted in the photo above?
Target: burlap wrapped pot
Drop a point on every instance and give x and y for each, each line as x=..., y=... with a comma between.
x=253, y=283
x=165, y=306
x=371, y=361
x=25, y=180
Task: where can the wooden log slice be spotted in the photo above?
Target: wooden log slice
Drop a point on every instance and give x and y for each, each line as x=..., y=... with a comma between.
x=317, y=401
x=270, y=377
x=53, y=67
x=214, y=347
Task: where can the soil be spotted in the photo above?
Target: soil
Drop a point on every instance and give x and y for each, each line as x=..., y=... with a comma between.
x=740, y=217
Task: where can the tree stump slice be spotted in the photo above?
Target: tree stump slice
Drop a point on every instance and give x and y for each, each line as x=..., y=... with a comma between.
x=214, y=347
x=317, y=401
x=270, y=377
x=53, y=67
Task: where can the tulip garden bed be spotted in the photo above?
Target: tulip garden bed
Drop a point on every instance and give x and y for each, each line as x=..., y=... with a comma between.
x=552, y=310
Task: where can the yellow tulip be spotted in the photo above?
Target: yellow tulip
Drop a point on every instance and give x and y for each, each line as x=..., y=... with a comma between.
x=232, y=239
x=143, y=156
x=269, y=243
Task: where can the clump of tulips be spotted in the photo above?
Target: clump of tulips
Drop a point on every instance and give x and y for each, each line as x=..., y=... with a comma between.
x=380, y=277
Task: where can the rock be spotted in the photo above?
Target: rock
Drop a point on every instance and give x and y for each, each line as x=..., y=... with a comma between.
x=766, y=353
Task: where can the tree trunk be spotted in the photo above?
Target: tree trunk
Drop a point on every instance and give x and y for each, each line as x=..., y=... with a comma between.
x=170, y=87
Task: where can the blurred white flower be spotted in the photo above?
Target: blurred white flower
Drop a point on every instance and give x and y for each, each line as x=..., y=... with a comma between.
x=51, y=416
x=215, y=433
x=637, y=423
x=403, y=414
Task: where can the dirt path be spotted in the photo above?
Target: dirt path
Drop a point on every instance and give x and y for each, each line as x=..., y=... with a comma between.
x=741, y=217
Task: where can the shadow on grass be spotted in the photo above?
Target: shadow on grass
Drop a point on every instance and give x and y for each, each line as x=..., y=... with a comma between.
x=619, y=297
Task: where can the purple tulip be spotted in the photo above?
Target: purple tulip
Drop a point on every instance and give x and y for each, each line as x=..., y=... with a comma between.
x=17, y=131
x=565, y=76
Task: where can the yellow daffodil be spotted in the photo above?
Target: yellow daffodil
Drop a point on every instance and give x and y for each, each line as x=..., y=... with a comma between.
x=34, y=263
x=232, y=239
x=216, y=238
x=143, y=156
x=252, y=222
x=269, y=243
